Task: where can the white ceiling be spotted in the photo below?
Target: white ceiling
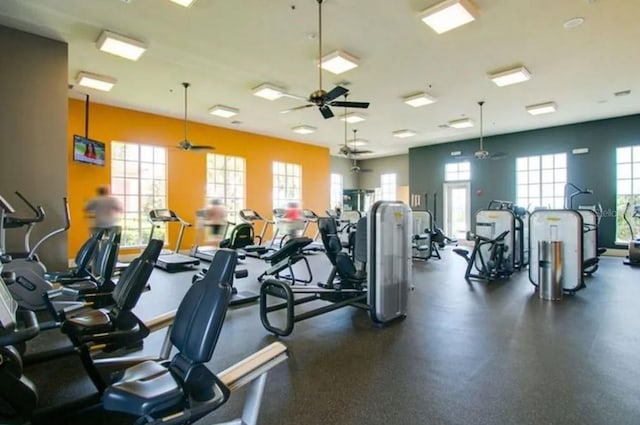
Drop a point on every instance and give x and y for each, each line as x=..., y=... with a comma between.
x=224, y=48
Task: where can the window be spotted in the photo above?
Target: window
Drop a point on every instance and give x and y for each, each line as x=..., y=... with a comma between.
x=540, y=181
x=139, y=180
x=388, y=187
x=287, y=183
x=226, y=181
x=336, y=190
x=627, y=188
x=457, y=171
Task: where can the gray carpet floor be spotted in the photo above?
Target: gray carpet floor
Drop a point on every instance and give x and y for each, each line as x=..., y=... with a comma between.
x=468, y=353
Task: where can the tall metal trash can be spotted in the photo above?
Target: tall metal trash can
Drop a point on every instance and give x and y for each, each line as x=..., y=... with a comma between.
x=550, y=270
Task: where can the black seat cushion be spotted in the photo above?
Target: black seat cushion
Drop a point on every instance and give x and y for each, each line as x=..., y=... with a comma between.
x=144, y=389
x=83, y=286
x=89, y=322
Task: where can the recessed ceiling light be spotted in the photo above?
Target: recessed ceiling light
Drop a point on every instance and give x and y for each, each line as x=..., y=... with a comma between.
x=95, y=81
x=352, y=118
x=461, y=123
x=223, y=111
x=403, y=134
x=339, y=62
x=573, y=23
x=120, y=45
x=185, y=3
x=268, y=91
x=419, y=99
x=542, y=108
x=449, y=14
x=304, y=129
x=510, y=76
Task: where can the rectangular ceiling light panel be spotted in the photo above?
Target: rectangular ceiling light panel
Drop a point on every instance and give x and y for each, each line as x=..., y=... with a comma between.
x=510, y=76
x=304, y=129
x=403, y=134
x=449, y=14
x=339, y=62
x=185, y=3
x=419, y=99
x=223, y=111
x=542, y=108
x=268, y=91
x=120, y=45
x=462, y=123
x=95, y=81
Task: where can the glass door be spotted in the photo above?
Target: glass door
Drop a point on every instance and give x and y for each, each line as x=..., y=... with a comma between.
x=457, y=209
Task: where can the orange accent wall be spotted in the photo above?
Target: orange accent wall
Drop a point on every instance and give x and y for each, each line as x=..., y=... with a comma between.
x=186, y=177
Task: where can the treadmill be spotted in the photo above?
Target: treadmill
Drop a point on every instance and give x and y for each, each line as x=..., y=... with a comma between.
x=312, y=217
x=206, y=252
x=251, y=216
x=171, y=261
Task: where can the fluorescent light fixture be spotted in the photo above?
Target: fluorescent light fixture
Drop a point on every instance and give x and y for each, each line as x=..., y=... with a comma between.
x=542, y=108
x=403, y=134
x=304, y=129
x=580, y=151
x=95, y=81
x=223, y=111
x=419, y=99
x=456, y=153
x=120, y=45
x=185, y=3
x=338, y=62
x=268, y=91
x=352, y=118
x=461, y=123
x=449, y=14
x=510, y=76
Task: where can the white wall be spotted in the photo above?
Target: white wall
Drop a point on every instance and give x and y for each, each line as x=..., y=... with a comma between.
x=33, y=134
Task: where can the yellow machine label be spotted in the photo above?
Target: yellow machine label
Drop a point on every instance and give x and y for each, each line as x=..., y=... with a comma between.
x=553, y=219
x=398, y=215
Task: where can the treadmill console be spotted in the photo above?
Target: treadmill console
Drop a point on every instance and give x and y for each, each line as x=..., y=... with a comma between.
x=250, y=215
x=162, y=215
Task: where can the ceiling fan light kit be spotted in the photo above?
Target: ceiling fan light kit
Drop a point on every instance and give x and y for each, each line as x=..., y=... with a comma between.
x=122, y=46
x=510, y=76
x=449, y=14
x=223, y=111
x=95, y=81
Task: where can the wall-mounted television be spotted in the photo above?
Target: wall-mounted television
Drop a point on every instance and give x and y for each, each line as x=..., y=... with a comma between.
x=88, y=151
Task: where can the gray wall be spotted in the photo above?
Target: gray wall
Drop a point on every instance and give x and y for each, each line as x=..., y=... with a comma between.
x=496, y=178
x=33, y=133
x=398, y=164
x=341, y=165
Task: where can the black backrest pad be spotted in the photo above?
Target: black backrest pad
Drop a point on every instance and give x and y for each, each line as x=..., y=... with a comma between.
x=329, y=234
x=88, y=248
x=199, y=318
x=134, y=280
x=241, y=236
x=108, y=255
x=291, y=247
x=360, y=248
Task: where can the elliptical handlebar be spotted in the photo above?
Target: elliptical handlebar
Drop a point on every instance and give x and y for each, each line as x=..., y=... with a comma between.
x=568, y=199
x=624, y=216
x=67, y=225
x=39, y=214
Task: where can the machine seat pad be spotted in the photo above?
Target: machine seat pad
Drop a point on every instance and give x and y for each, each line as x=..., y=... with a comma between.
x=94, y=321
x=144, y=389
x=461, y=251
x=83, y=286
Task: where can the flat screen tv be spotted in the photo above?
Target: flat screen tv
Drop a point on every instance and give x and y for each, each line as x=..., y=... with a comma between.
x=88, y=151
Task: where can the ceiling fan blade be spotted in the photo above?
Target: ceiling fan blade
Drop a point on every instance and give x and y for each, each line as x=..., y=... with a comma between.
x=360, y=152
x=294, y=96
x=201, y=148
x=335, y=92
x=286, y=111
x=498, y=155
x=363, y=105
x=366, y=170
x=325, y=111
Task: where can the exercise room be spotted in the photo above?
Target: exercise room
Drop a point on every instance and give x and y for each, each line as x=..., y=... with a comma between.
x=319, y=211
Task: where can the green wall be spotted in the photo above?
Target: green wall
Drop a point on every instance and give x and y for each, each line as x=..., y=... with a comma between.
x=496, y=178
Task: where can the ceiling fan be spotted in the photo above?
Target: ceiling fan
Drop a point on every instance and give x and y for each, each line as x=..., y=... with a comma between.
x=355, y=168
x=345, y=149
x=482, y=153
x=186, y=145
x=321, y=98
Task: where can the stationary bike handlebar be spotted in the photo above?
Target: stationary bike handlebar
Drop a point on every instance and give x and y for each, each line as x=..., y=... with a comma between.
x=67, y=225
x=13, y=222
x=28, y=329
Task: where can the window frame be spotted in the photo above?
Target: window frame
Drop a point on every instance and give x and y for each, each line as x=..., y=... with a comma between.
x=282, y=192
x=539, y=174
x=218, y=165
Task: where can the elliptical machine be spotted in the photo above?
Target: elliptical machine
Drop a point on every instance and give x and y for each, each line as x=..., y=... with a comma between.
x=633, y=254
x=30, y=283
